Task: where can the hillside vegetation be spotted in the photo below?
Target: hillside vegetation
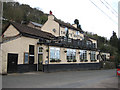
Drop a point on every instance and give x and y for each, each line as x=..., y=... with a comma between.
x=22, y=13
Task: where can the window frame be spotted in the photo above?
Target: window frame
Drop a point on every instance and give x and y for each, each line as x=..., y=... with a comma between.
x=24, y=58
x=72, y=55
x=83, y=55
x=55, y=52
x=39, y=49
x=92, y=55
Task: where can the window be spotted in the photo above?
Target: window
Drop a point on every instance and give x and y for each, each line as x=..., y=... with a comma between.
x=62, y=32
x=26, y=58
x=54, y=53
x=83, y=55
x=75, y=36
x=54, y=30
x=89, y=43
x=31, y=54
x=70, y=34
x=92, y=55
x=81, y=37
x=94, y=45
x=77, y=33
x=31, y=49
x=71, y=54
x=40, y=50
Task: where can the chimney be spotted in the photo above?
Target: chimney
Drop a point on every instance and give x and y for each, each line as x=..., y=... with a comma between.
x=50, y=16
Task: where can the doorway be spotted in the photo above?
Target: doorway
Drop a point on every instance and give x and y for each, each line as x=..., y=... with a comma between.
x=40, y=61
x=12, y=62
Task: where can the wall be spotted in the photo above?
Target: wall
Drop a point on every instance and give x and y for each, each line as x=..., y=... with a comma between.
x=63, y=56
x=50, y=25
x=94, y=41
x=18, y=46
x=107, y=55
x=11, y=31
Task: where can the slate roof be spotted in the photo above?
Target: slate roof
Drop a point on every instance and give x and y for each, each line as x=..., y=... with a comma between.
x=67, y=25
x=36, y=24
x=31, y=32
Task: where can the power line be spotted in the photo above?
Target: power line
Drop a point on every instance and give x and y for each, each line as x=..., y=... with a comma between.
x=104, y=12
x=109, y=8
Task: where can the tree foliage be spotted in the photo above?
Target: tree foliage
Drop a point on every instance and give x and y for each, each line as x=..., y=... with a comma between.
x=76, y=21
x=114, y=40
x=22, y=13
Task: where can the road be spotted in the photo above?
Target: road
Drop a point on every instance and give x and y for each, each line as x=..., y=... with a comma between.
x=69, y=79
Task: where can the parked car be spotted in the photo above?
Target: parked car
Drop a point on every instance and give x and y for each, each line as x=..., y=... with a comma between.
x=118, y=70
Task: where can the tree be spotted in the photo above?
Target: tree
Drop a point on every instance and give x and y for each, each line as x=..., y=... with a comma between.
x=76, y=21
x=119, y=46
x=114, y=40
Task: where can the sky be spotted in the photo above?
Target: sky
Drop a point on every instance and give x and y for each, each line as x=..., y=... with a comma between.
x=96, y=16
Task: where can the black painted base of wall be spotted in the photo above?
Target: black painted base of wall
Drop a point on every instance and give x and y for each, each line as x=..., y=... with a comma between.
x=56, y=67
x=70, y=67
x=21, y=68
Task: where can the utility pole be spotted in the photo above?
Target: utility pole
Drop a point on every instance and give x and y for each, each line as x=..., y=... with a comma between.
x=119, y=19
x=1, y=14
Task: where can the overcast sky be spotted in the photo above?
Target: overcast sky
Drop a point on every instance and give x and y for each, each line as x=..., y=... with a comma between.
x=97, y=16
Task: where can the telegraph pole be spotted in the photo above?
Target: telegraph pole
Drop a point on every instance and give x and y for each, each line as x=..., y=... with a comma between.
x=1, y=14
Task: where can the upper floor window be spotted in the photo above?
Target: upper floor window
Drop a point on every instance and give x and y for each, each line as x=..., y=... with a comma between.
x=62, y=32
x=88, y=43
x=40, y=50
x=54, y=30
x=31, y=49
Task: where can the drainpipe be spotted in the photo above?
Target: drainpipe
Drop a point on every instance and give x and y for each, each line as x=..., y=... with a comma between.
x=59, y=30
x=48, y=59
x=37, y=58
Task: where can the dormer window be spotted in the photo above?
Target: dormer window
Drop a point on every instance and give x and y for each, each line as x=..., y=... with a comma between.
x=54, y=30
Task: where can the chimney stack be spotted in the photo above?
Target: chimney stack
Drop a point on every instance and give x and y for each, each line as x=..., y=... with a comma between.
x=50, y=12
x=50, y=16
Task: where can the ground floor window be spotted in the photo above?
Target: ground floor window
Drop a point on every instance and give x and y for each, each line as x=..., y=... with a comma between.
x=54, y=54
x=92, y=56
x=26, y=58
x=40, y=50
x=71, y=55
x=83, y=55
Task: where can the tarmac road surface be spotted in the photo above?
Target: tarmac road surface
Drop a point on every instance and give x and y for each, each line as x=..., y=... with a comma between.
x=69, y=79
